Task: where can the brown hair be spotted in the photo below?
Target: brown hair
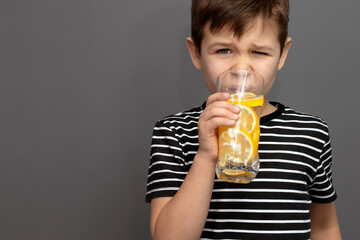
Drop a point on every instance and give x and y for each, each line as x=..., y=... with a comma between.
x=236, y=16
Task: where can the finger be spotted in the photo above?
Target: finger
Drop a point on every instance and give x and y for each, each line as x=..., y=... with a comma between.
x=218, y=122
x=228, y=112
x=219, y=96
x=222, y=105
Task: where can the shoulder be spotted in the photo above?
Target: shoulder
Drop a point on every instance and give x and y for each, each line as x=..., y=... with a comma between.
x=182, y=125
x=298, y=123
x=183, y=118
x=193, y=112
x=304, y=118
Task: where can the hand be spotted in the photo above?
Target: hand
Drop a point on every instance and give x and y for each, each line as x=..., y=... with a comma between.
x=218, y=112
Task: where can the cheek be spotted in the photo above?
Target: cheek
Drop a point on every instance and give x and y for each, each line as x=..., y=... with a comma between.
x=269, y=80
x=210, y=73
x=268, y=85
x=269, y=74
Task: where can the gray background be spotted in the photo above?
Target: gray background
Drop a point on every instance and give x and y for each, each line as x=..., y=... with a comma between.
x=83, y=82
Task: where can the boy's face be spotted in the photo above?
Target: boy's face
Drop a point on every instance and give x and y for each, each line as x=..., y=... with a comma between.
x=258, y=49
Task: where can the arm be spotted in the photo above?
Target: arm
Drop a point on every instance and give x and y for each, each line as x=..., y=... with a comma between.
x=324, y=222
x=184, y=215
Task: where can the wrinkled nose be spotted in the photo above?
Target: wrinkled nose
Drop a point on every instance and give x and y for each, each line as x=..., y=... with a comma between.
x=241, y=67
x=242, y=62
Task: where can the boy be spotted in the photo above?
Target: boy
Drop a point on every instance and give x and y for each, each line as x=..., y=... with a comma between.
x=292, y=196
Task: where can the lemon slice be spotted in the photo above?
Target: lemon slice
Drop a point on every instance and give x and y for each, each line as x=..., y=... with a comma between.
x=248, y=120
x=247, y=99
x=236, y=146
x=256, y=136
x=235, y=173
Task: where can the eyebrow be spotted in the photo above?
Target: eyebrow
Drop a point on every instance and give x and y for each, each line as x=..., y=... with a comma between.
x=228, y=44
x=262, y=47
x=220, y=44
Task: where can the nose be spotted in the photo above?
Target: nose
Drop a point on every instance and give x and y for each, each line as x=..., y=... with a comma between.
x=241, y=62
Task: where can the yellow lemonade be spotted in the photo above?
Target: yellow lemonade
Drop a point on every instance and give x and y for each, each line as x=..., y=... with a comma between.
x=238, y=145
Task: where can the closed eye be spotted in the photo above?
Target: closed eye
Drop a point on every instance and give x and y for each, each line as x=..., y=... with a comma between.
x=260, y=53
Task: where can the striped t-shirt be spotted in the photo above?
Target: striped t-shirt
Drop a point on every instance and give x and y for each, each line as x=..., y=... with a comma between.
x=295, y=161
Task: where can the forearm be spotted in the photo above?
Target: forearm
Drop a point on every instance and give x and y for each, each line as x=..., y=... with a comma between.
x=184, y=216
x=324, y=222
x=332, y=233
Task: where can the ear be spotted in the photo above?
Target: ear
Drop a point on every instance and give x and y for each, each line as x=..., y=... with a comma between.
x=194, y=53
x=284, y=54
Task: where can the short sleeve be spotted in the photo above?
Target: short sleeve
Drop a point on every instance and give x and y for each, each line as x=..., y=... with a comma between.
x=167, y=168
x=322, y=189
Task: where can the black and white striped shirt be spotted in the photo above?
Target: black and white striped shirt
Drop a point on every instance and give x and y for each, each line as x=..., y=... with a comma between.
x=295, y=161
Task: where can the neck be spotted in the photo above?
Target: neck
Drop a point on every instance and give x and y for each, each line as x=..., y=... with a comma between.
x=267, y=108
